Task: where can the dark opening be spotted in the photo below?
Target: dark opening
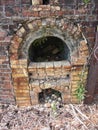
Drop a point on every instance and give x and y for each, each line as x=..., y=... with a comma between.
x=50, y=95
x=45, y=2
x=48, y=49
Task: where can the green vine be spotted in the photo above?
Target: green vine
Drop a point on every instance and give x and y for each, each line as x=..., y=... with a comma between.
x=80, y=91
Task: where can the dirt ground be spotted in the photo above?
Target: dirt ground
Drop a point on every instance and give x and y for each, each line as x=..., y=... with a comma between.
x=47, y=117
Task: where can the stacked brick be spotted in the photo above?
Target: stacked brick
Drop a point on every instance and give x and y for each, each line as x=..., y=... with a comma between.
x=37, y=73
x=6, y=88
x=45, y=75
x=14, y=14
x=78, y=69
x=20, y=82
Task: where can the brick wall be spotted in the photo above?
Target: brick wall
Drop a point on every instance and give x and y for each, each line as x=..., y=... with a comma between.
x=6, y=88
x=14, y=13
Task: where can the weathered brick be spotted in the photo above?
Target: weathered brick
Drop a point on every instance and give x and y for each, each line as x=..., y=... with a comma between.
x=41, y=73
x=50, y=72
x=31, y=18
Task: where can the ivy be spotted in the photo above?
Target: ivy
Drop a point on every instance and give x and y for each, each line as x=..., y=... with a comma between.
x=86, y=1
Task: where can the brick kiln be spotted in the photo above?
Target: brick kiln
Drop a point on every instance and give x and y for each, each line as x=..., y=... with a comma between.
x=43, y=49
x=30, y=75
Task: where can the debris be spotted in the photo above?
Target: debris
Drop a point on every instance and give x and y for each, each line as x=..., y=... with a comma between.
x=40, y=117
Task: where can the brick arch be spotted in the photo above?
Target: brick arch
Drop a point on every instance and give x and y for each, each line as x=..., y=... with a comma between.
x=21, y=41
x=32, y=30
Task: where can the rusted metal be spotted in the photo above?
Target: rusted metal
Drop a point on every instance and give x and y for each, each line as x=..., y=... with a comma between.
x=92, y=75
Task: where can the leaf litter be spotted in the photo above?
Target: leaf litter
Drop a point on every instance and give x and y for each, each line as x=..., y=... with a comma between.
x=40, y=117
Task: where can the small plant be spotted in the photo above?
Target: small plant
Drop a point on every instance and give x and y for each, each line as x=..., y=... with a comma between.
x=86, y=1
x=54, y=109
x=40, y=41
x=80, y=91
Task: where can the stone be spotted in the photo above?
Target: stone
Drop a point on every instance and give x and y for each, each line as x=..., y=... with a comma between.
x=47, y=105
x=65, y=73
x=17, y=62
x=75, y=78
x=49, y=65
x=21, y=87
x=66, y=98
x=41, y=65
x=44, y=23
x=25, y=102
x=83, y=48
x=37, y=90
x=42, y=85
x=19, y=71
x=45, y=128
x=23, y=93
x=19, y=75
x=50, y=72
x=32, y=65
x=41, y=71
x=74, y=100
x=21, y=32
x=57, y=64
x=35, y=83
x=65, y=63
x=57, y=72
x=26, y=91
x=34, y=98
x=16, y=39
x=57, y=7
x=36, y=2
x=38, y=9
x=75, y=73
x=84, y=53
x=19, y=80
x=20, y=83
x=83, y=42
x=39, y=22
x=47, y=85
x=18, y=66
x=58, y=87
x=30, y=26
x=33, y=74
x=44, y=14
x=23, y=99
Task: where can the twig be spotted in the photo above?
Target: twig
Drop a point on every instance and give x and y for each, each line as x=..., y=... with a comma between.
x=75, y=114
x=84, y=37
x=83, y=115
x=96, y=49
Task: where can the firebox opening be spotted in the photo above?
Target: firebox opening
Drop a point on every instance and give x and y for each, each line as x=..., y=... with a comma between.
x=49, y=96
x=48, y=49
x=45, y=2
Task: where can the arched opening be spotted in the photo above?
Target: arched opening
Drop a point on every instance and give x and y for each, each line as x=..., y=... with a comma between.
x=48, y=49
x=49, y=96
x=67, y=53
